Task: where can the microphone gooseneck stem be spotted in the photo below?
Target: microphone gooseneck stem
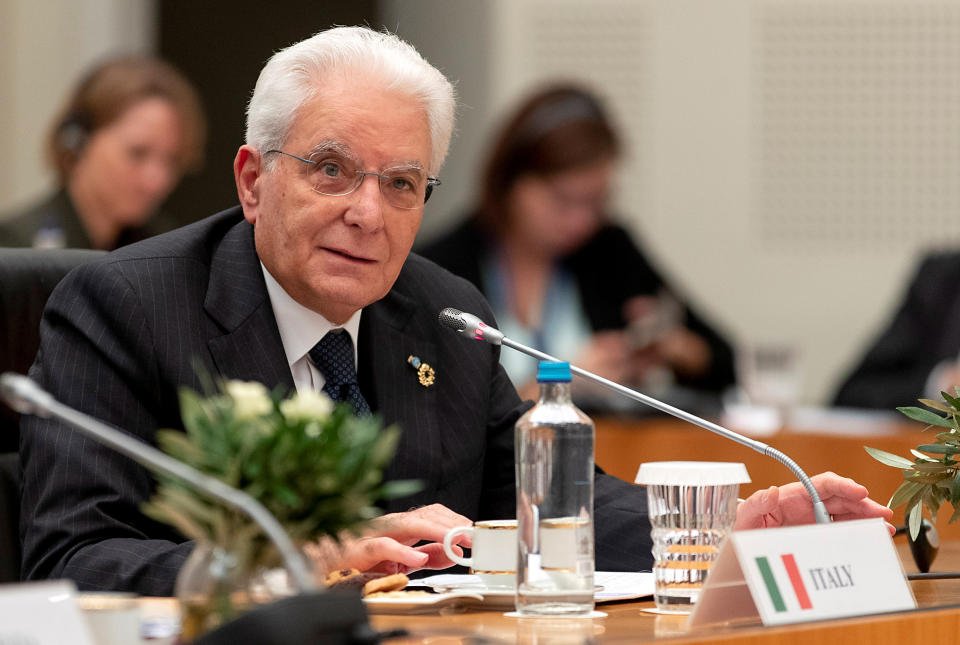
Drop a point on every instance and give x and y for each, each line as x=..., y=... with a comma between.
x=819, y=509
x=155, y=460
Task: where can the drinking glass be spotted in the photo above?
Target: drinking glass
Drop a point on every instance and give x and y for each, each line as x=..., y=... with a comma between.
x=692, y=506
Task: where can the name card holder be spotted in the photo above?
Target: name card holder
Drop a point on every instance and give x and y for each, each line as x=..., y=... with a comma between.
x=42, y=613
x=805, y=573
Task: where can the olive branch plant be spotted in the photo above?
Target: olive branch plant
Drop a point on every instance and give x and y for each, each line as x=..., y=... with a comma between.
x=312, y=463
x=932, y=477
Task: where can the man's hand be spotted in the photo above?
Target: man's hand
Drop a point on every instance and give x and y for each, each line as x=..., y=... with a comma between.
x=387, y=546
x=787, y=505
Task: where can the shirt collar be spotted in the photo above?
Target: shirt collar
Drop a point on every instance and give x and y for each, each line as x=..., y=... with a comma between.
x=302, y=328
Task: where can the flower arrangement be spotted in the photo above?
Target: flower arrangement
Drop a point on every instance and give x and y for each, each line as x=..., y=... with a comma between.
x=932, y=477
x=314, y=465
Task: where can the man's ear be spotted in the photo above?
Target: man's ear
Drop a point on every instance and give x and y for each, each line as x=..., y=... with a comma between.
x=247, y=171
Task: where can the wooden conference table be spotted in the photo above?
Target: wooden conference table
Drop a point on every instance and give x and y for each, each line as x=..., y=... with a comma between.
x=818, y=440
x=936, y=621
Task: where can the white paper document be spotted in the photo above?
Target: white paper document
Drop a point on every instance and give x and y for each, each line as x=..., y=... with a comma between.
x=614, y=585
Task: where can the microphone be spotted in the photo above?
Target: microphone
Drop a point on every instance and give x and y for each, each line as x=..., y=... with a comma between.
x=26, y=397
x=471, y=326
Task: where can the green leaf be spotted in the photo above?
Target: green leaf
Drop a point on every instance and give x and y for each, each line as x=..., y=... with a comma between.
x=955, y=516
x=933, y=467
x=936, y=405
x=889, y=459
x=904, y=492
x=916, y=515
x=191, y=409
x=401, y=488
x=921, y=456
x=952, y=400
x=168, y=513
x=932, y=502
x=926, y=478
x=938, y=449
x=925, y=416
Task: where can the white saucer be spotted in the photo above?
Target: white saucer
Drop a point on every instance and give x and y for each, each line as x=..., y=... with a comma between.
x=421, y=604
x=491, y=597
x=592, y=614
x=613, y=587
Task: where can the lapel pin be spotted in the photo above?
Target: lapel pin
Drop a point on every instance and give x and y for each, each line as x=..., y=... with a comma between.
x=425, y=373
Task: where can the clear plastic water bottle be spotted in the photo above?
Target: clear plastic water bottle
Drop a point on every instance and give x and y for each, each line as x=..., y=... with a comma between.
x=554, y=466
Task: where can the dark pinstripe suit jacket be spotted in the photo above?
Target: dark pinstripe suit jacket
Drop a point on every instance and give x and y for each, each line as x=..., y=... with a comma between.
x=119, y=336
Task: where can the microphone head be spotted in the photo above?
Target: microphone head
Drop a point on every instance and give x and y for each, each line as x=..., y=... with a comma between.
x=452, y=318
x=470, y=326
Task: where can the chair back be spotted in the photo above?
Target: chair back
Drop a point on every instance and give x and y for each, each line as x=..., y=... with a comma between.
x=27, y=277
x=9, y=517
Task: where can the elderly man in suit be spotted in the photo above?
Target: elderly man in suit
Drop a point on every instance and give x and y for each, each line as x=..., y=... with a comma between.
x=346, y=131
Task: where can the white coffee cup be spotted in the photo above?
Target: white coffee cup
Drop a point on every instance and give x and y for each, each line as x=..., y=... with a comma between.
x=493, y=554
x=114, y=617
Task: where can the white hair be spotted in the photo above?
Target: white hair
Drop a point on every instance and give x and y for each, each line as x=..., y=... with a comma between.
x=294, y=75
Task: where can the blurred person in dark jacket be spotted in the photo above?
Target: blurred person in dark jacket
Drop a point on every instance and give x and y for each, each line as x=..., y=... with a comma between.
x=918, y=353
x=120, y=144
x=559, y=274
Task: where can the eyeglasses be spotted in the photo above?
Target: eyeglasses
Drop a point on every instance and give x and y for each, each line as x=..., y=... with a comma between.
x=335, y=176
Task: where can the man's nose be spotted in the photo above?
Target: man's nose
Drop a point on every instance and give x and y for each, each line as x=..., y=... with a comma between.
x=366, y=209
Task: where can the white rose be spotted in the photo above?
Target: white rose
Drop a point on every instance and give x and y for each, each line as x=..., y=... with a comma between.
x=307, y=406
x=250, y=399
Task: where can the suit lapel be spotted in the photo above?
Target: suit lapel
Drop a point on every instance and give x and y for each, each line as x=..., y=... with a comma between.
x=250, y=349
x=388, y=336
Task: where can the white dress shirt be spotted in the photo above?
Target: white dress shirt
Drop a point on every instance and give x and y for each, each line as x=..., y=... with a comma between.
x=301, y=329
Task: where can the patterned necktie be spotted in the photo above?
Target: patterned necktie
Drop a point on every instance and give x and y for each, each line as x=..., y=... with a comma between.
x=333, y=356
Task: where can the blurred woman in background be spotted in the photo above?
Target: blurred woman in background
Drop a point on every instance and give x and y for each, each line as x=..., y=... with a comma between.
x=119, y=146
x=558, y=273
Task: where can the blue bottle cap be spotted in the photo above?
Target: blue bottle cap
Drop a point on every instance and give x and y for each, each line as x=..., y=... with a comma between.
x=553, y=372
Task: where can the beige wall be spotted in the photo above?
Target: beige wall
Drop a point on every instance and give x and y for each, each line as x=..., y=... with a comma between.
x=44, y=47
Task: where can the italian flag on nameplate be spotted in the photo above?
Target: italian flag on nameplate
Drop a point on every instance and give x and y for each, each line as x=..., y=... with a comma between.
x=796, y=582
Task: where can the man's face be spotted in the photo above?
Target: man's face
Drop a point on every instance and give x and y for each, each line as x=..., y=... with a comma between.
x=336, y=255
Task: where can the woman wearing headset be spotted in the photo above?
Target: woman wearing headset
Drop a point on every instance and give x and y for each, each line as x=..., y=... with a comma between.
x=119, y=146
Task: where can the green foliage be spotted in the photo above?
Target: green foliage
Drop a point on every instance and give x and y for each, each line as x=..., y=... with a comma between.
x=932, y=477
x=315, y=466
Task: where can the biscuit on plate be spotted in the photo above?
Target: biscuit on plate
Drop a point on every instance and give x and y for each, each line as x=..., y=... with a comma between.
x=340, y=574
x=394, y=582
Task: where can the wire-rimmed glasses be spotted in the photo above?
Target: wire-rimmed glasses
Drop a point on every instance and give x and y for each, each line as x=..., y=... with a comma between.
x=335, y=176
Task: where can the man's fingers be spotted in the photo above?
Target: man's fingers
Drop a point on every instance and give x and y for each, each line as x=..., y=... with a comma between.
x=859, y=509
x=410, y=530
x=376, y=552
x=831, y=485
x=426, y=523
x=753, y=512
x=437, y=557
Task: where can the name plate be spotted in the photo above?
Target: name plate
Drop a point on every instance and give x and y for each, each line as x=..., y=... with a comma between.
x=803, y=573
x=42, y=613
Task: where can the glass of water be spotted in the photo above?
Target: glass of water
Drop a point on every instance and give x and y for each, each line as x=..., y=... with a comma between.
x=692, y=507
